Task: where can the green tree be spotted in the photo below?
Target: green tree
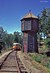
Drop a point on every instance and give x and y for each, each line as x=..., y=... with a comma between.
x=17, y=37
x=48, y=26
x=44, y=25
x=44, y=22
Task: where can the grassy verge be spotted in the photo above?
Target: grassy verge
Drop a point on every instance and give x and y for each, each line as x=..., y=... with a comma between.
x=42, y=61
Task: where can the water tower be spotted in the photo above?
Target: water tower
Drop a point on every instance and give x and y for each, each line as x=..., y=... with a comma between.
x=29, y=27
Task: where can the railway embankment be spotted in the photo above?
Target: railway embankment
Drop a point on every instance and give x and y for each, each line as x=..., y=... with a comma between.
x=25, y=63
x=31, y=65
x=5, y=53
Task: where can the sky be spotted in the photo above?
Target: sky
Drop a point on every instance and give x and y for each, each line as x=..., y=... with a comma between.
x=11, y=12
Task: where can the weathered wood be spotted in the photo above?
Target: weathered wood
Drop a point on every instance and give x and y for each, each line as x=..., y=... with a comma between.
x=29, y=27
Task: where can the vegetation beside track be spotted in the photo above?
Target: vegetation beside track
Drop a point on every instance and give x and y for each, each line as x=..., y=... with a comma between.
x=41, y=61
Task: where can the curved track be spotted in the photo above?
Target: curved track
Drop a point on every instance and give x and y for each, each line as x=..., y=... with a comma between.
x=12, y=64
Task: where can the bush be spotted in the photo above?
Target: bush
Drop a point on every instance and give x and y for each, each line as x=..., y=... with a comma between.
x=43, y=59
x=47, y=42
x=38, y=57
x=46, y=62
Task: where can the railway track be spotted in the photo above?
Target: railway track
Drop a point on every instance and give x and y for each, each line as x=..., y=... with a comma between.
x=12, y=64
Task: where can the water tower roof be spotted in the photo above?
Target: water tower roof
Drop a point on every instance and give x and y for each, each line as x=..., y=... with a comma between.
x=29, y=15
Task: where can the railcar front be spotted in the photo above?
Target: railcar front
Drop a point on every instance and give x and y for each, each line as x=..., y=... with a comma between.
x=17, y=46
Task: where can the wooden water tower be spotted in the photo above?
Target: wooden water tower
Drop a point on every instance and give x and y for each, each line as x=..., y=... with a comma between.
x=29, y=27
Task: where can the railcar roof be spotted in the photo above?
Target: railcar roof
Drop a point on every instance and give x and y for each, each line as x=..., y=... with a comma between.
x=16, y=44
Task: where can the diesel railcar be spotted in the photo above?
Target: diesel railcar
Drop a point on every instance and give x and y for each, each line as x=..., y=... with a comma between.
x=17, y=46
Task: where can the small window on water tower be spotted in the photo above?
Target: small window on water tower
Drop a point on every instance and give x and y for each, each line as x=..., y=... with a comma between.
x=27, y=25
